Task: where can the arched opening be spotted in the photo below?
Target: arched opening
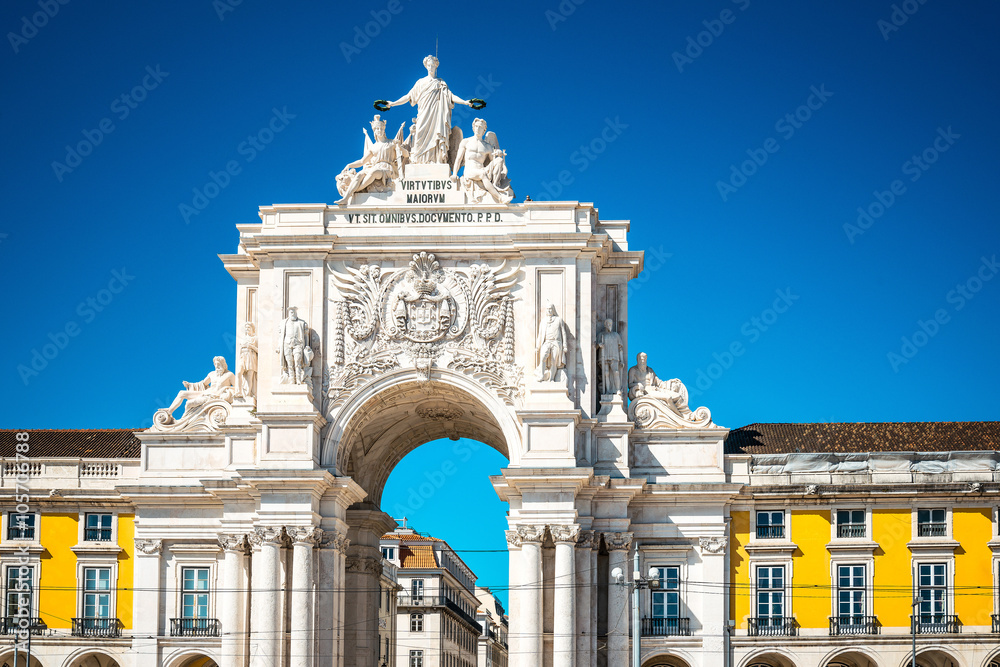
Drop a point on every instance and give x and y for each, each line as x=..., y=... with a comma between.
x=665, y=660
x=935, y=657
x=22, y=660
x=94, y=660
x=770, y=659
x=198, y=660
x=851, y=658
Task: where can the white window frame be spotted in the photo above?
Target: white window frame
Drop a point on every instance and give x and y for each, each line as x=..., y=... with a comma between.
x=868, y=560
x=81, y=592
x=787, y=523
x=834, y=535
x=416, y=658
x=184, y=556
x=36, y=576
x=786, y=589
x=81, y=537
x=419, y=618
x=948, y=522
x=949, y=575
x=210, y=592
x=6, y=522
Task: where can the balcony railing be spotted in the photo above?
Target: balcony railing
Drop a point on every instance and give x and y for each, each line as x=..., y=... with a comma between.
x=439, y=601
x=996, y=622
x=771, y=626
x=932, y=529
x=11, y=624
x=770, y=532
x=854, y=625
x=666, y=627
x=934, y=624
x=97, y=534
x=195, y=627
x=851, y=530
x=97, y=627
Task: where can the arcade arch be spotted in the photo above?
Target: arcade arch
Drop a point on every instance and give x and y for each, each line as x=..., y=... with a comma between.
x=7, y=658
x=666, y=660
x=769, y=658
x=935, y=657
x=92, y=659
x=853, y=657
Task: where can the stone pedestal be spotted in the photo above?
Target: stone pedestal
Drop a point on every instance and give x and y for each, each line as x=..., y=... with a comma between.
x=612, y=409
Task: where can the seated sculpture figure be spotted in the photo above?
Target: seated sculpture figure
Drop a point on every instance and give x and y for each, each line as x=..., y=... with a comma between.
x=657, y=403
x=207, y=401
x=381, y=163
x=485, y=166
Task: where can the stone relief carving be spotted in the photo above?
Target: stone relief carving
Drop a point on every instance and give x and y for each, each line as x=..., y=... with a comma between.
x=433, y=139
x=232, y=542
x=266, y=535
x=381, y=164
x=422, y=316
x=513, y=538
x=246, y=364
x=564, y=533
x=531, y=533
x=611, y=355
x=713, y=545
x=586, y=539
x=365, y=565
x=439, y=413
x=331, y=539
x=310, y=535
x=553, y=346
x=295, y=350
x=618, y=541
x=208, y=403
x=659, y=404
x=485, y=166
x=149, y=547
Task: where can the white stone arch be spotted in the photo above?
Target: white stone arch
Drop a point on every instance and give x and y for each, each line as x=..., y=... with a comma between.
x=180, y=657
x=7, y=656
x=90, y=657
x=993, y=657
x=390, y=399
x=672, y=657
x=842, y=653
x=785, y=657
x=937, y=651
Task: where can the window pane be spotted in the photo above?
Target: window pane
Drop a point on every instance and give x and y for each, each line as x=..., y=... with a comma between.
x=937, y=516
x=923, y=516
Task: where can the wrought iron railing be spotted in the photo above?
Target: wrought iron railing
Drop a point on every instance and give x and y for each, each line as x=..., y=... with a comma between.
x=932, y=529
x=851, y=530
x=771, y=626
x=996, y=622
x=97, y=627
x=195, y=627
x=934, y=624
x=770, y=532
x=11, y=624
x=666, y=627
x=854, y=625
x=97, y=534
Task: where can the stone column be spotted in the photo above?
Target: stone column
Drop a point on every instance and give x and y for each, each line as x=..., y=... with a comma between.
x=584, y=586
x=266, y=627
x=531, y=623
x=329, y=599
x=146, y=598
x=618, y=617
x=514, y=559
x=594, y=552
x=302, y=651
x=564, y=598
x=231, y=599
x=714, y=609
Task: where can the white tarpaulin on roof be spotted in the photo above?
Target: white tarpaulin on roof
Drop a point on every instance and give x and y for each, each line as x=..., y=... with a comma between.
x=915, y=462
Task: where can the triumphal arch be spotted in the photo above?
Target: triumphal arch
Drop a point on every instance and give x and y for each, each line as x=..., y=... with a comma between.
x=425, y=304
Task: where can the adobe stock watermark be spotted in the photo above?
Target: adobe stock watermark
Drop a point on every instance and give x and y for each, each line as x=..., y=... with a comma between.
x=30, y=26
x=787, y=126
x=714, y=28
x=563, y=11
x=87, y=310
x=363, y=35
x=914, y=168
x=584, y=156
x=223, y=7
x=649, y=267
x=248, y=149
x=751, y=331
x=898, y=17
x=484, y=88
x=122, y=106
x=957, y=298
x=418, y=494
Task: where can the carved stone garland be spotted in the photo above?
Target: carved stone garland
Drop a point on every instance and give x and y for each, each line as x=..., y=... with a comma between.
x=423, y=316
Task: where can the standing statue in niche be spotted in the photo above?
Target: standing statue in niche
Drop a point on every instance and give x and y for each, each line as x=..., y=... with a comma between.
x=246, y=363
x=485, y=166
x=207, y=402
x=293, y=346
x=611, y=353
x=553, y=345
x=434, y=102
x=381, y=163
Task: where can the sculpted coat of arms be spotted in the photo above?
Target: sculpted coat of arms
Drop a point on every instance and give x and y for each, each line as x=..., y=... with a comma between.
x=422, y=316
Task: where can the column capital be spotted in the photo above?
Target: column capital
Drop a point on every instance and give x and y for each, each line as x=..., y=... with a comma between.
x=513, y=539
x=310, y=535
x=585, y=540
x=713, y=545
x=331, y=539
x=149, y=547
x=565, y=533
x=233, y=542
x=262, y=535
x=531, y=533
x=618, y=541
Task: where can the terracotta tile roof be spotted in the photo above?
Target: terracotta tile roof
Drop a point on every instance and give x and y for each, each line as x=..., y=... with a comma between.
x=864, y=437
x=417, y=556
x=407, y=537
x=112, y=443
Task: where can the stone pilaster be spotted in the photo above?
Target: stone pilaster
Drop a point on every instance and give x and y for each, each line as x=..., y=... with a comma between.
x=584, y=588
x=146, y=601
x=330, y=598
x=514, y=597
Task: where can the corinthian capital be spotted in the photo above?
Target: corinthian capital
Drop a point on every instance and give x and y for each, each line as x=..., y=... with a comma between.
x=513, y=538
x=586, y=539
x=331, y=539
x=564, y=533
x=531, y=533
x=310, y=535
x=266, y=535
x=618, y=541
x=232, y=542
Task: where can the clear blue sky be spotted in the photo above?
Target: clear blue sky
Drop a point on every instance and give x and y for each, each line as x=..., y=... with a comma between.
x=687, y=93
